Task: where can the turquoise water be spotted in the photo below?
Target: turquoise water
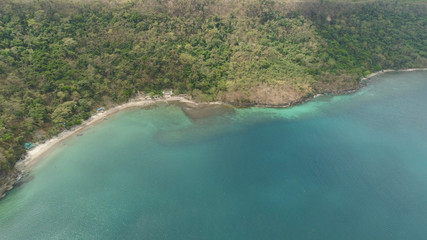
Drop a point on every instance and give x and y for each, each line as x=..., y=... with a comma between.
x=345, y=167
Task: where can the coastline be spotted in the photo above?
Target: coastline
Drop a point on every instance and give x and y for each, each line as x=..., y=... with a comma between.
x=363, y=81
x=34, y=155
x=361, y=84
x=23, y=166
x=391, y=70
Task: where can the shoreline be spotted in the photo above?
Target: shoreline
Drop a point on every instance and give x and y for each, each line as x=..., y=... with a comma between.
x=142, y=101
x=361, y=84
x=34, y=155
x=23, y=166
x=363, y=81
x=391, y=70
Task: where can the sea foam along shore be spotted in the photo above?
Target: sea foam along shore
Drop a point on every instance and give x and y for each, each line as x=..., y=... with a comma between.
x=36, y=153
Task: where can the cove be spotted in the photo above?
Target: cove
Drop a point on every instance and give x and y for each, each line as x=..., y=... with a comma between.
x=337, y=167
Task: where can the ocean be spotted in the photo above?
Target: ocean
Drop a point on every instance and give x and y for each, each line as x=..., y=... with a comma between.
x=337, y=167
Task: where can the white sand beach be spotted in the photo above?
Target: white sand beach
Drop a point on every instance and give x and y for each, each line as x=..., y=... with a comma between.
x=391, y=70
x=37, y=152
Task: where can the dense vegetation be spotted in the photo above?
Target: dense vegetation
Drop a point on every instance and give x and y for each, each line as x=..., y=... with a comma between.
x=59, y=60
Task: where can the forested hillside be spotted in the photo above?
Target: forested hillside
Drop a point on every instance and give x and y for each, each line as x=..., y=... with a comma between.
x=60, y=60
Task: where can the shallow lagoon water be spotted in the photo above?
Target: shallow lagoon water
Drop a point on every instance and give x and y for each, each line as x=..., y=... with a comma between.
x=343, y=167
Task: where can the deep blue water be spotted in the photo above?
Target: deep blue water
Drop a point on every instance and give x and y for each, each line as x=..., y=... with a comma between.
x=344, y=167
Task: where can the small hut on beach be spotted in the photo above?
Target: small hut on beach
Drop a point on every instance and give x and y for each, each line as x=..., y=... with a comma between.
x=28, y=146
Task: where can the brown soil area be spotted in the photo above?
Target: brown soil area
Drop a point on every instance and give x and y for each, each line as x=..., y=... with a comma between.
x=279, y=95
